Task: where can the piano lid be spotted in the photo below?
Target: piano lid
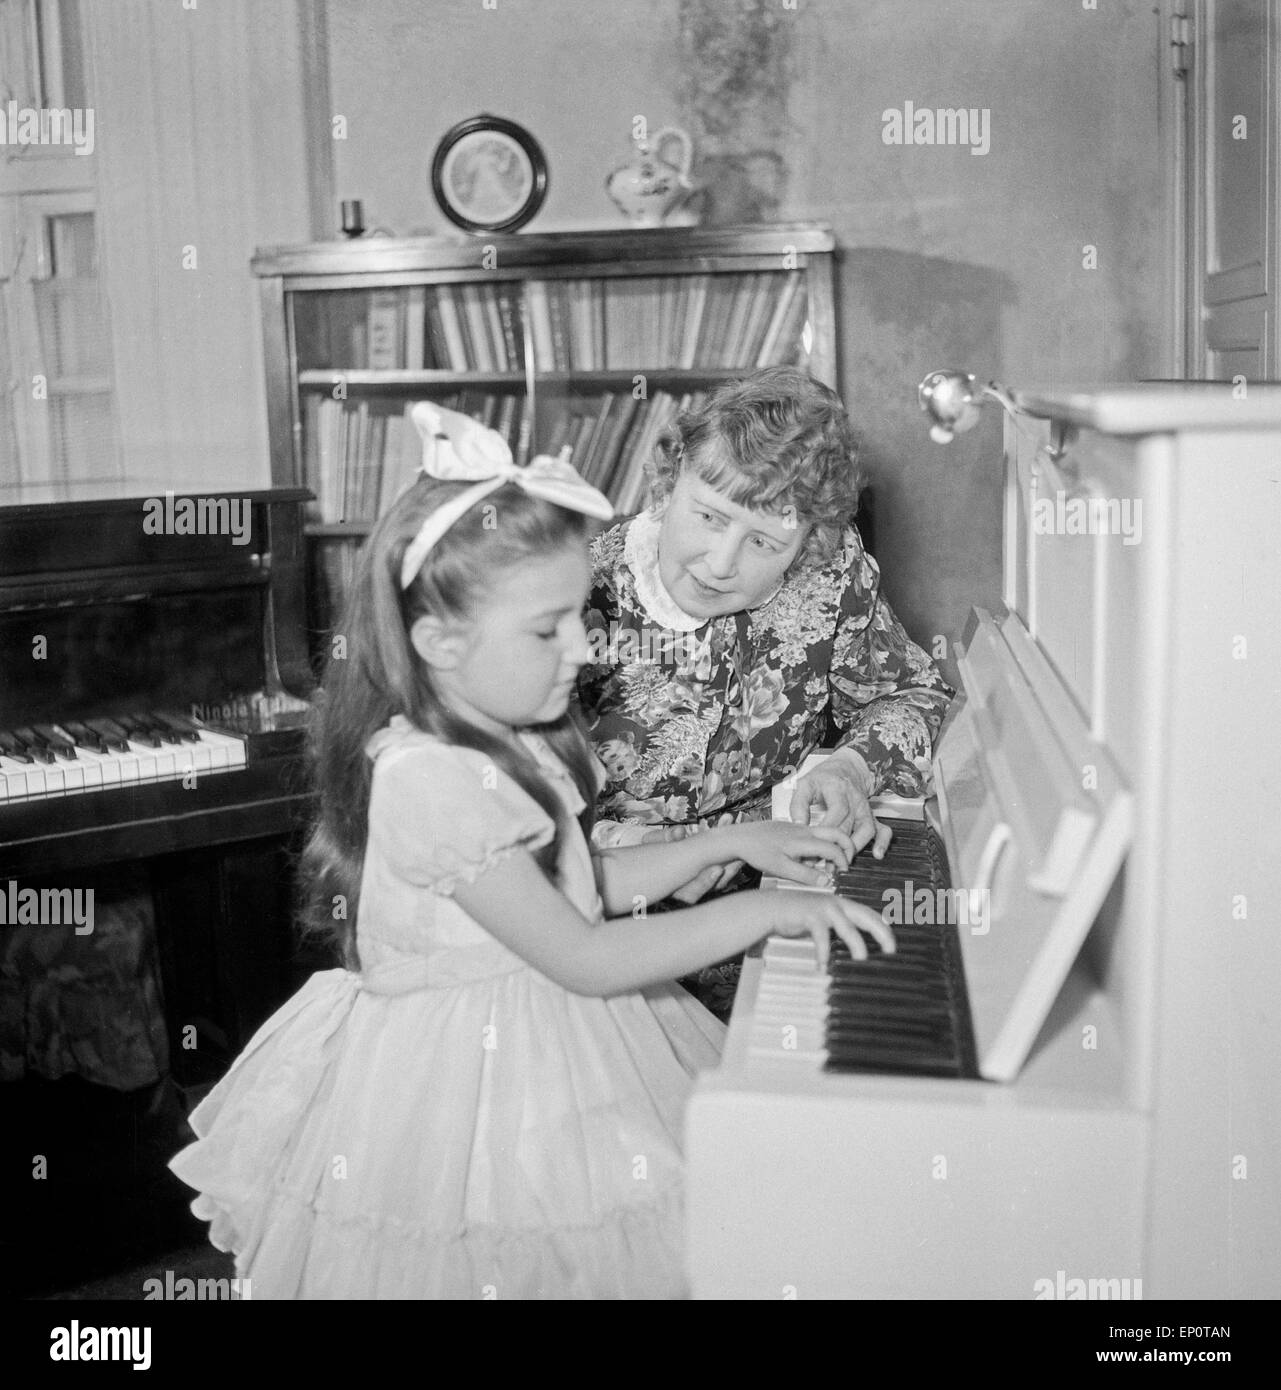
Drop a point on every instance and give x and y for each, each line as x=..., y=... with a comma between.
x=1037, y=820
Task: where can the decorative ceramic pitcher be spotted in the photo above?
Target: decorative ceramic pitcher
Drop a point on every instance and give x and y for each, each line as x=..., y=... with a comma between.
x=647, y=187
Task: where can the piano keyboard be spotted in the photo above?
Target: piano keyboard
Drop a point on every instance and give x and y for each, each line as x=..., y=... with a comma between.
x=40, y=761
x=906, y=1013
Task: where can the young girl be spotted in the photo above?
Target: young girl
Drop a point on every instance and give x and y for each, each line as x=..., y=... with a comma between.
x=487, y=1101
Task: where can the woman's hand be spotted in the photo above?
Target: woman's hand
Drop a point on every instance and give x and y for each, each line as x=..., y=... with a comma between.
x=820, y=914
x=775, y=847
x=838, y=792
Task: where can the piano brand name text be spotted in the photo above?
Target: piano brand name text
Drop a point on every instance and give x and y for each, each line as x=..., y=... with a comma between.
x=46, y=907
x=197, y=516
x=1089, y=516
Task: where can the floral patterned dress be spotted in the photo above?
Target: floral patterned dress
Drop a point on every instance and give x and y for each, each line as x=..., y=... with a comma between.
x=695, y=720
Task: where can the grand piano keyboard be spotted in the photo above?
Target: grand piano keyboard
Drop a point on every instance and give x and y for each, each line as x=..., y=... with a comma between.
x=39, y=761
x=904, y=1013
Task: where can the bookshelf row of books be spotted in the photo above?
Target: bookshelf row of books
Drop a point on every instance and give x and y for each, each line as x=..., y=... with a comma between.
x=361, y=454
x=469, y=327
x=612, y=439
x=746, y=319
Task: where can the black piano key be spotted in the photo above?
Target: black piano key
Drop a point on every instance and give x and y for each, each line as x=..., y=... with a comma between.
x=13, y=748
x=921, y=995
x=925, y=991
x=83, y=736
x=882, y=1033
x=900, y=1028
x=35, y=745
x=138, y=731
x=176, y=724
x=111, y=733
x=58, y=741
x=157, y=727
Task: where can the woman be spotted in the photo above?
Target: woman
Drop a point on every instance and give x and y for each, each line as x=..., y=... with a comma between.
x=737, y=615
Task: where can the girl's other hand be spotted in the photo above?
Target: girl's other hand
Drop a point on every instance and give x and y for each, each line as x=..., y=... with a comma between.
x=821, y=914
x=778, y=848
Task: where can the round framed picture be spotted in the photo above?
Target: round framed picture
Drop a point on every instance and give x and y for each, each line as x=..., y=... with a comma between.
x=489, y=175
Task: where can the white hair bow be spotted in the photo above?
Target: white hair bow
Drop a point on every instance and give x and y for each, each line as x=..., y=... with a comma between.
x=459, y=448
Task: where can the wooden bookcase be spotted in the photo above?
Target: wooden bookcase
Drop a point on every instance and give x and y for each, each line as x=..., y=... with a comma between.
x=594, y=340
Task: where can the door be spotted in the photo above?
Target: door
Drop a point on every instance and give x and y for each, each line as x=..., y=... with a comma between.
x=1232, y=70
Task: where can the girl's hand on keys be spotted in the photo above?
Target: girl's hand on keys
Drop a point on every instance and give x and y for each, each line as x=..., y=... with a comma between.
x=778, y=848
x=820, y=914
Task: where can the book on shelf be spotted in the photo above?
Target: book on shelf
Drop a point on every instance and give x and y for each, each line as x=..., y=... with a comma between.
x=540, y=324
x=612, y=437
x=416, y=346
x=361, y=454
x=384, y=329
x=451, y=328
x=613, y=447
x=561, y=328
x=696, y=290
x=785, y=322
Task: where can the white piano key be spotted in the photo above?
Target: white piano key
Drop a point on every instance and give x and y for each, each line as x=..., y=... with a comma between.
x=133, y=765
x=14, y=783
x=90, y=771
x=200, y=756
x=780, y=947
x=73, y=776
x=226, y=749
x=48, y=780
x=102, y=772
x=166, y=761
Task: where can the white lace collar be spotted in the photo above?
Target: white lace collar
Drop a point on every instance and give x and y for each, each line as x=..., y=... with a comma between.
x=640, y=551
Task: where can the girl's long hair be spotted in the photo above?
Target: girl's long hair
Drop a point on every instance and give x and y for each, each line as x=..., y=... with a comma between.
x=380, y=675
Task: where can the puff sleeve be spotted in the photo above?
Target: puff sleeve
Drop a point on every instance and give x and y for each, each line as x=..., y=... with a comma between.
x=441, y=815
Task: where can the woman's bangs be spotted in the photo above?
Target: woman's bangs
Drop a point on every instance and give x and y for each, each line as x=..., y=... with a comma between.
x=739, y=486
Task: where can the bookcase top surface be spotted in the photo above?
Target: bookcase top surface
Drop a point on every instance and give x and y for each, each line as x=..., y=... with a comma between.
x=374, y=255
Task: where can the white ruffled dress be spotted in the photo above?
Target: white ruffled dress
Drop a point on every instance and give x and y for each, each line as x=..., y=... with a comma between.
x=449, y=1123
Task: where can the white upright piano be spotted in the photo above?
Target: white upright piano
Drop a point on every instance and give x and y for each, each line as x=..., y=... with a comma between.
x=1110, y=777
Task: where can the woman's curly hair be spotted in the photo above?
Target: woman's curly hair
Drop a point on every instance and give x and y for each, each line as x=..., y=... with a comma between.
x=769, y=441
